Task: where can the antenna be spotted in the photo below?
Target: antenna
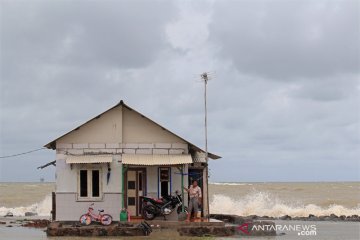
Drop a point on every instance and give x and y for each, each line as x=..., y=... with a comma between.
x=205, y=77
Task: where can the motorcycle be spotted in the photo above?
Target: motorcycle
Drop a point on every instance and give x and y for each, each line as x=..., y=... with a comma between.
x=153, y=207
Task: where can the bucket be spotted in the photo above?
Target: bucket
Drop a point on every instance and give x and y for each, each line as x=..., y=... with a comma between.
x=198, y=214
x=123, y=216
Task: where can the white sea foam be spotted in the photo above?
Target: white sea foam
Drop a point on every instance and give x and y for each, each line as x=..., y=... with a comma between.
x=264, y=204
x=42, y=208
x=255, y=203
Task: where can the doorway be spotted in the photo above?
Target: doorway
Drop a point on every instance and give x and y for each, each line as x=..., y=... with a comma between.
x=196, y=174
x=164, y=181
x=135, y=189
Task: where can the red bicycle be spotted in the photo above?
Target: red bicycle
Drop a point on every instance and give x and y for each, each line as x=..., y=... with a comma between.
x=90, y=216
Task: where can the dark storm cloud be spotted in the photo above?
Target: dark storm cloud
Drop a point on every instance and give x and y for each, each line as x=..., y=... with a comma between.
x=283, y=104
x=286, y=40
x=102, y=33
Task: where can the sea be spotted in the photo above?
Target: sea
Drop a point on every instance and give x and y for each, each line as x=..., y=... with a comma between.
x=273, y=199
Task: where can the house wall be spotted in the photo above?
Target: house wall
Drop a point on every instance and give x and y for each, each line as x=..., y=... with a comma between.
x=67, y=178
x=115, y=132
x=68, y=209
x=106, y=129
x=138, y=129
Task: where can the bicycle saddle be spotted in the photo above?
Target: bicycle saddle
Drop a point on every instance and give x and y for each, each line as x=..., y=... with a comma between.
x=101, y=210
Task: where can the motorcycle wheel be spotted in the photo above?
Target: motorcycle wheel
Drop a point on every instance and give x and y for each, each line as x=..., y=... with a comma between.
x=85, y=219
x=178, y=210
x=106, y=219
x=149, y=212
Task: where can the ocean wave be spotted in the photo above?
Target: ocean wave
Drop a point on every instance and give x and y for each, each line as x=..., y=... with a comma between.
x=265, y=204
x=42, y=208
x=231, y=184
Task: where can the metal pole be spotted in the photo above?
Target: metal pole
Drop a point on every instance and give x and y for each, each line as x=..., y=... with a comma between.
x=205, y=77
x=182, y=189
x=122, y=186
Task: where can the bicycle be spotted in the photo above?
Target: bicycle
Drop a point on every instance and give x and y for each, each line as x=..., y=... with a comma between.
x=90, y=216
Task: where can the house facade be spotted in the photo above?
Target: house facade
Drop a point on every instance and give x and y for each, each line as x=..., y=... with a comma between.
x=117, y=157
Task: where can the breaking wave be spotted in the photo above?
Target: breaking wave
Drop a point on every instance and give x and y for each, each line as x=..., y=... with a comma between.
x=264, y=204
x=255, y=203
x=42, y=208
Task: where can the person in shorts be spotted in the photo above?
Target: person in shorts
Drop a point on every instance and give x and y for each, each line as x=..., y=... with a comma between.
x=195, y=198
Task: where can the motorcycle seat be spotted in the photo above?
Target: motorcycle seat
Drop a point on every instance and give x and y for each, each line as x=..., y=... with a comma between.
x=159, y=200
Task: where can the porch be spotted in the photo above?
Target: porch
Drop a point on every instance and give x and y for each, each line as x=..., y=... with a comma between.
x=157, y=176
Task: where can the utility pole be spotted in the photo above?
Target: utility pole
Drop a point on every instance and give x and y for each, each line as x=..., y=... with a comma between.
x=205, y=78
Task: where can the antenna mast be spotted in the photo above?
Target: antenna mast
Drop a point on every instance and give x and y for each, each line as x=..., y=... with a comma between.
x=206, y=211
x=205, y=78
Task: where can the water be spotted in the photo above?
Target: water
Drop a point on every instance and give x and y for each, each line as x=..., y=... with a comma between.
x=270, y=199
x=279, y=199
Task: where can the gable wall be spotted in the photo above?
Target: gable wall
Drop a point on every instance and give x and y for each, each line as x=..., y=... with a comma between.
x=138, y=129
x=106, y=129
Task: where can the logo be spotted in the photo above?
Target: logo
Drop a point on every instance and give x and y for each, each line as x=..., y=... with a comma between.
x=300, y=229
x=244, y=228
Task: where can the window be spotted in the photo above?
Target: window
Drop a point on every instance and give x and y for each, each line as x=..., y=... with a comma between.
x=95, y=183
x=83, y=183
x=164, y=174
x=89, y=186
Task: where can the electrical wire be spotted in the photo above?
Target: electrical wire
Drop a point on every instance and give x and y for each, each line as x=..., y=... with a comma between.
x=23, y=153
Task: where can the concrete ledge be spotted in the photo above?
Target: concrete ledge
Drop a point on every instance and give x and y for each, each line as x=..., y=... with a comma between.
x=129, y=151
x=163, y=145
x=60, y=229
x=207, y=231
x=80, y=145
x=75, y=151
x=97, y=145
x=63, y=145
x=148, y=151
x=160, y=151
x=176, y=151
x=112, y=145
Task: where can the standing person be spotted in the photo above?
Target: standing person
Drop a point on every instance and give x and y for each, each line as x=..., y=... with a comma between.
x=195, y=198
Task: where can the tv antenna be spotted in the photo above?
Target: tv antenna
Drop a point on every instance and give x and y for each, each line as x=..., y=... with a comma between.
x=205, y=77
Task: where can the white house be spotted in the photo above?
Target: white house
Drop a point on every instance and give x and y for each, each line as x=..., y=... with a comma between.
x=118, y=156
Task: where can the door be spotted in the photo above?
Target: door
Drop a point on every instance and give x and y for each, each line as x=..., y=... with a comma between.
x=196, y=174
x=135, y=188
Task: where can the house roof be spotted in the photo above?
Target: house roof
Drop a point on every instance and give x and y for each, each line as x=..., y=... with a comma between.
x=52, y=144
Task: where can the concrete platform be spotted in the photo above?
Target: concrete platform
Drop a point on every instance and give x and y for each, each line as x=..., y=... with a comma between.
x=132, y=228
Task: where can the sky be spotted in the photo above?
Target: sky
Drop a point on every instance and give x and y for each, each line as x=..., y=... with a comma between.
x=283, y=101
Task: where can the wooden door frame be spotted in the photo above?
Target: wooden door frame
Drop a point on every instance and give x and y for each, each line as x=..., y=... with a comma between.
x=143, y=169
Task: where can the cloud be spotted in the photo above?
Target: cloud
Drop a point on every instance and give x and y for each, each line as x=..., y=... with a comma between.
x=283, y=103
x=286, y=40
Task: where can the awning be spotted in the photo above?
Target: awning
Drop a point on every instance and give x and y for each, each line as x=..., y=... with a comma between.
x=89, y=159
x=157, y=159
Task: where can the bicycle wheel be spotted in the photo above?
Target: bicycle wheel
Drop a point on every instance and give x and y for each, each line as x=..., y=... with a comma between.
x=85, y=219
x=106, y=219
